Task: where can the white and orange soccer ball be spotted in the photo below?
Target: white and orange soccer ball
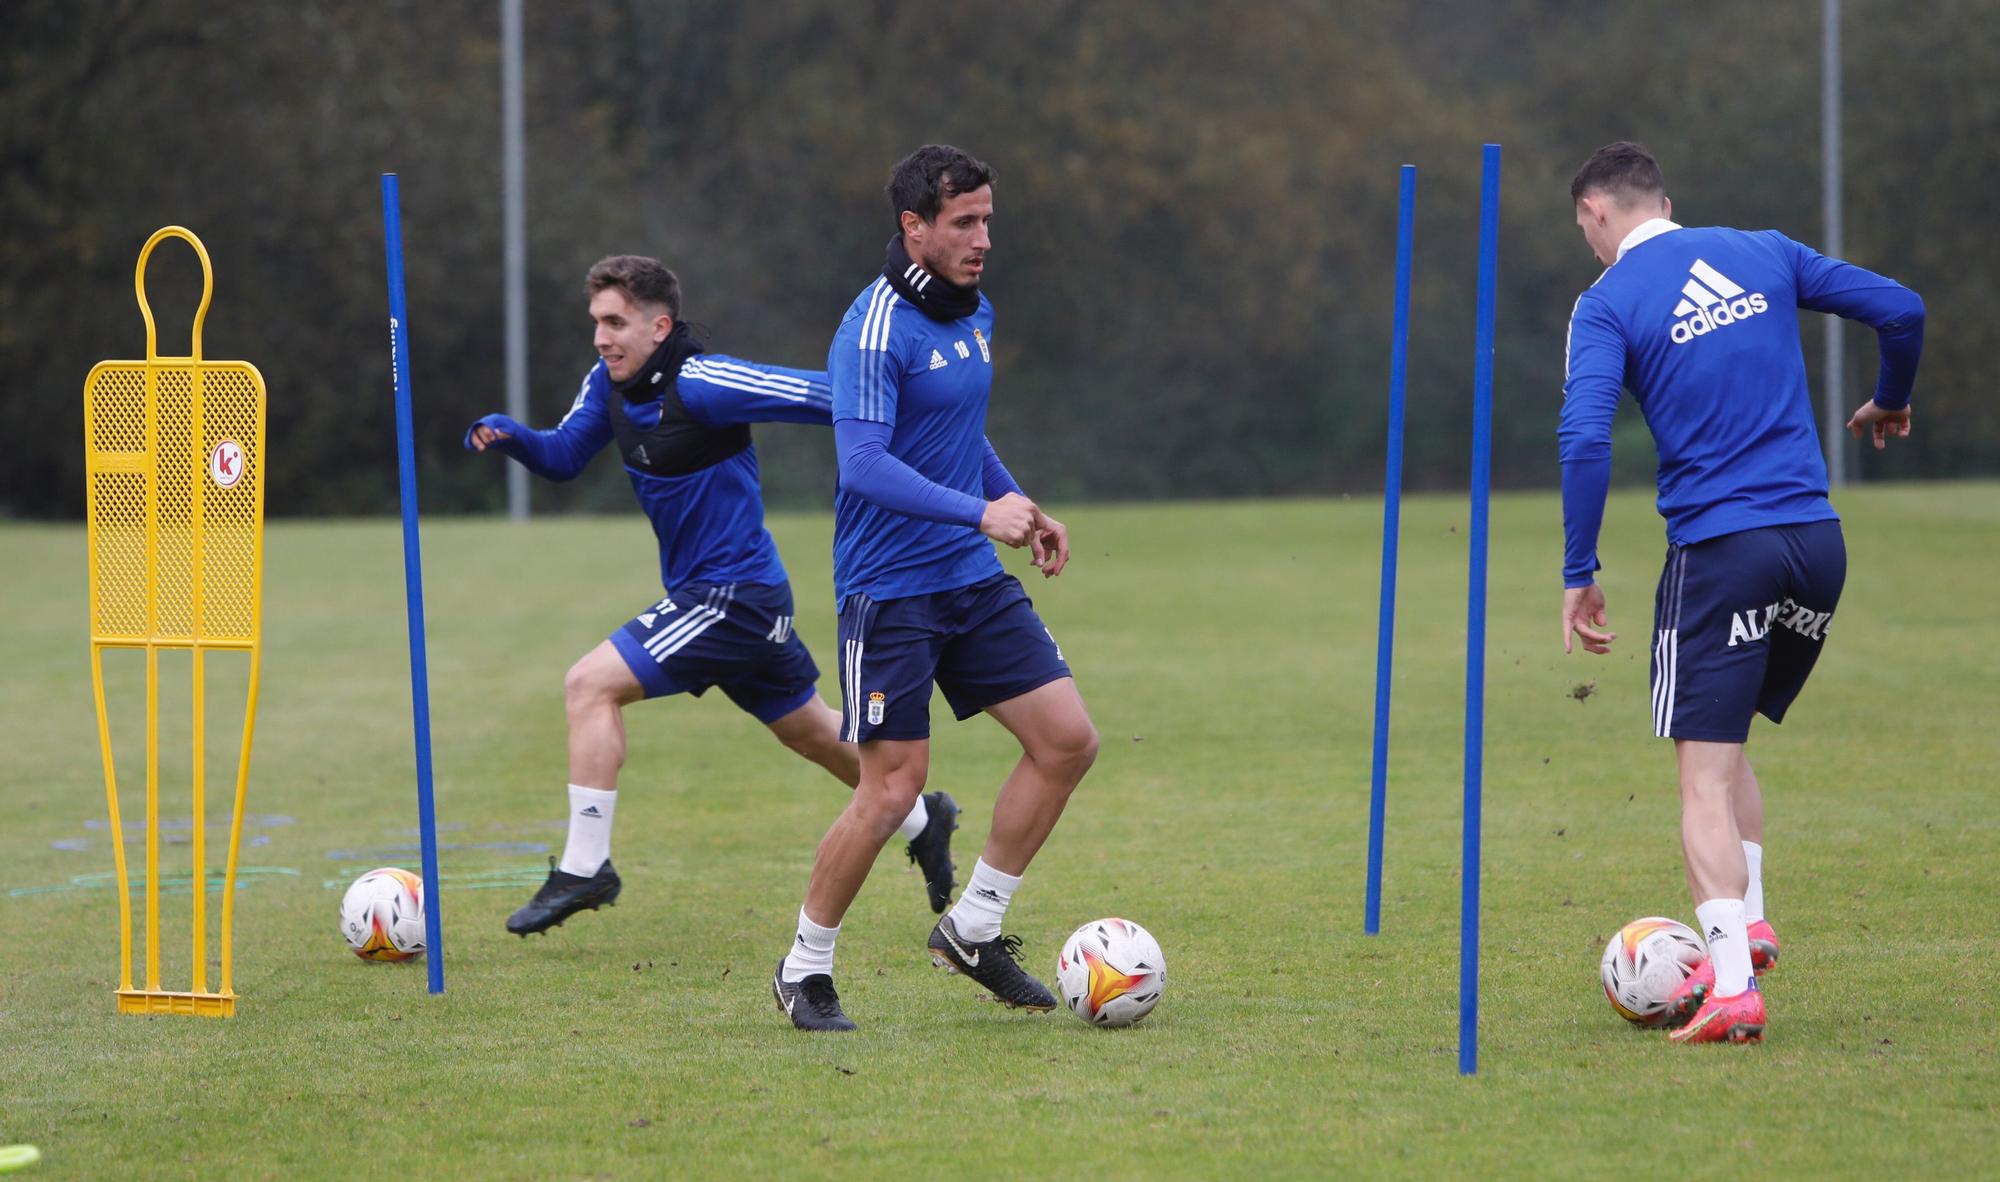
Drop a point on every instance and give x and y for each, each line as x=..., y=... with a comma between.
x=382, y=915
x=1644, y=963
x=1111, y=972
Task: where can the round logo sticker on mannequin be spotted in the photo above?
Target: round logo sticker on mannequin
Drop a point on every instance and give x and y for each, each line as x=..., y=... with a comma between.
x=225, y=463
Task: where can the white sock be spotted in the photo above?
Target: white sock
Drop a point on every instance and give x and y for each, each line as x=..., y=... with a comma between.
x=977, y=914
x=1753, y=899
x=920, y=816
x=812, y=950
x=589, y=844
x=1728, y=944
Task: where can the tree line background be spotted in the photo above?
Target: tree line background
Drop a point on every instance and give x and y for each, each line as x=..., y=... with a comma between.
x=1194, y=238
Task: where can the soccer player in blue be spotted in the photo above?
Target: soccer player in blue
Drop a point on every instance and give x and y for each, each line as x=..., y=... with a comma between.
x=680, y=418
x=1700, y=325
x=922, y=594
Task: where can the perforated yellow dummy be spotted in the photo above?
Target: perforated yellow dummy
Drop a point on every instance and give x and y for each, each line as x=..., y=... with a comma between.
x=175, y=450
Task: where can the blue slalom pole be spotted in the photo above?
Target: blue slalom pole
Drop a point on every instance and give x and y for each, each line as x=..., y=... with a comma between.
x=1475, y=609
x=413, y=577
x=1392, y=514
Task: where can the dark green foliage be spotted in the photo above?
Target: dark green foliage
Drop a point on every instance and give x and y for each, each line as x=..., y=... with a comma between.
x=1193, y=243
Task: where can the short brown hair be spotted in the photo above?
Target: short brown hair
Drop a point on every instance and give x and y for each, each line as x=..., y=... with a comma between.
x=1624, y=170
x=933, y=174
x=643, y=280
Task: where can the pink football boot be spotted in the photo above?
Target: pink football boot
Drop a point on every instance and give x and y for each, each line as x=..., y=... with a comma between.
x=1689, y=994
x=1726, y=1019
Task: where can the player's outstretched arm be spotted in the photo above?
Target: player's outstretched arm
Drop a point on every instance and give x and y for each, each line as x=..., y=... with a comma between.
x=722, y=391
x=556, y=454
x=1872, y=419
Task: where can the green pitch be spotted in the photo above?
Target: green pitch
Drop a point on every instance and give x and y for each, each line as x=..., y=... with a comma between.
x=1227, y=653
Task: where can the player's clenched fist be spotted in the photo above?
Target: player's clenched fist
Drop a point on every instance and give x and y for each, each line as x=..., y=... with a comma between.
x=1010, y=520
x=482, y=437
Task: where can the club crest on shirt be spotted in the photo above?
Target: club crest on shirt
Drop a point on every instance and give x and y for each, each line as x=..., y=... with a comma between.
x=985, y=354
x=877, y=701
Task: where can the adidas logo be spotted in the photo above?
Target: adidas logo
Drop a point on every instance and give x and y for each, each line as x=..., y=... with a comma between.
x=1714, y=934
x=1711, y=300
x=937, y=360
x=590, y=810
x=986, y=893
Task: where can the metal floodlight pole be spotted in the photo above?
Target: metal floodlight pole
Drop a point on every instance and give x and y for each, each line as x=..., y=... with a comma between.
x=515, y=230
x=1835, y=430
x=1475, y=610
x=1392, y=510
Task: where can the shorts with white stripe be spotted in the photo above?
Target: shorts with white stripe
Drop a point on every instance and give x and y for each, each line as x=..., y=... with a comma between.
x=737, y=636
x=1738, y=623
x=982, y=644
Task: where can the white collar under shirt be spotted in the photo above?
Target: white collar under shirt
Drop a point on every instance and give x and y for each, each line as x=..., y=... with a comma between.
x=1650, y=228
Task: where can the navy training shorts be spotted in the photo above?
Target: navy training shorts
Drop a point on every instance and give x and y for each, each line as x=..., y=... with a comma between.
x=738, y=636
x=982, y=644
x=1738, y=623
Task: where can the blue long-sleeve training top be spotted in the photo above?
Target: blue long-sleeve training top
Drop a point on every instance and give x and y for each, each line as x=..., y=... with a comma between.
x=710, y=522
x=916, y=468
x=1701, y=325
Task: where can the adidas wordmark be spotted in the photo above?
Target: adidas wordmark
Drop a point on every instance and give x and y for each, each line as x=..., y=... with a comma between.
x=1711, y=300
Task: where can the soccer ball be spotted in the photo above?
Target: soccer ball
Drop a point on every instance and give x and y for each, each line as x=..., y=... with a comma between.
x=382, y=915
x=1111, y=972
x=1644, y=963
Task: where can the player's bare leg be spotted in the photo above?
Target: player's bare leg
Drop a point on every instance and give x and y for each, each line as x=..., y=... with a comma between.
x=1747, y=800
x=1721, y=998
x=893, y=772
x=1709, y=837
x=813, y=730
x=1058, y=745
x=596, y=691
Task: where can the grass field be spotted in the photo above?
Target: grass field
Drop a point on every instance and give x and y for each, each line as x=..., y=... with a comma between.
x=1227, y=653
